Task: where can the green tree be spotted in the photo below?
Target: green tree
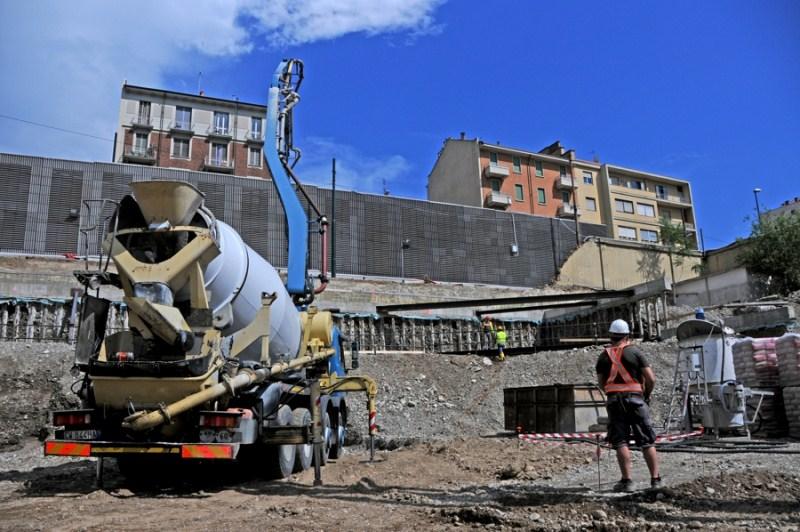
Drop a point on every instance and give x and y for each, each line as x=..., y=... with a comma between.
x=677, y=239
x=773, y=250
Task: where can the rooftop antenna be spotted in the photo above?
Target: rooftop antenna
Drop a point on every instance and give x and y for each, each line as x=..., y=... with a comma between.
x=385, y=190
x=199, y=78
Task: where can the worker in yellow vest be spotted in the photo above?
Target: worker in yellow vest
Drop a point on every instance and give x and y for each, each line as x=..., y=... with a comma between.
x=627, y=379
x=500, y=339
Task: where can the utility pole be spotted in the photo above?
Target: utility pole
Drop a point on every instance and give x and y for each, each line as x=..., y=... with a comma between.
x=333, y=218
x=758, y=208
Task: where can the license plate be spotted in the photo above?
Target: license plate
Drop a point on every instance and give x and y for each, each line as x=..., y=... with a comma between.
x=81, y=434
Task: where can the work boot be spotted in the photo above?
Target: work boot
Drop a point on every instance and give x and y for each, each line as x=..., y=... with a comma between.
x=655, y=483
x=625, y=485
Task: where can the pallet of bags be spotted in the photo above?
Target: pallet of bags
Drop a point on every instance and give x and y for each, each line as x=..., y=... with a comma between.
x=791, y=400
x=787, y=348
x=756, y=361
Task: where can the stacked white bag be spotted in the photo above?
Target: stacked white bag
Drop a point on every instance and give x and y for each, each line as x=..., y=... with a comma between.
x=788, y=350
x=756, y=362
x=757, y=366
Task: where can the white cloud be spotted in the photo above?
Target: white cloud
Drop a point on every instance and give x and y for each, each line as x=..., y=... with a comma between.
x=63, y=63
x=354, y=170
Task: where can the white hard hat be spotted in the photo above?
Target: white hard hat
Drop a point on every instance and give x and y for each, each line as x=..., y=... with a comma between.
x=619, y=327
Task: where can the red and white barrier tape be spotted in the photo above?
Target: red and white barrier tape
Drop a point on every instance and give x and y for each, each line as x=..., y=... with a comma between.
x=543, y=437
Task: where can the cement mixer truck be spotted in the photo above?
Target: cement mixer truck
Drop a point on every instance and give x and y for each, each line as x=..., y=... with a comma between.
x=221, y=360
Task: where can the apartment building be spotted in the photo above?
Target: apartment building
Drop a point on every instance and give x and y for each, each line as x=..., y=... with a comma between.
x=637, y=202
x=553, y=182
x=193, y=132
x=787, y=208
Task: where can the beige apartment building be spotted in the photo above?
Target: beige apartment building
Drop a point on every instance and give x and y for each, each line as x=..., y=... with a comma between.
x=189, y=131
x=553, y=182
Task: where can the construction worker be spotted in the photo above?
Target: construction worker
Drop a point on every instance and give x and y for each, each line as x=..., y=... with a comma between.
x=500, y=339
x=628, y=380
x=487, y=327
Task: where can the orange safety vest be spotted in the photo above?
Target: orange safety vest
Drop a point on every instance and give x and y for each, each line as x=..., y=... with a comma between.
x=628, y=383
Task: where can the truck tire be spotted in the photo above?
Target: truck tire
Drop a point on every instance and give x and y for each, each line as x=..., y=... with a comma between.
x=327, y=437
x=280, y=458
x=337, y=449
x=304, y=451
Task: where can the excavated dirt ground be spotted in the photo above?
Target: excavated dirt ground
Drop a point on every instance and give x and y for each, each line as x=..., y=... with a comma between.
x=452, y=469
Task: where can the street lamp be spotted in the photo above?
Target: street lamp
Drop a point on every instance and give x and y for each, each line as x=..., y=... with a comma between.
x=758, y=209
x=403, y=247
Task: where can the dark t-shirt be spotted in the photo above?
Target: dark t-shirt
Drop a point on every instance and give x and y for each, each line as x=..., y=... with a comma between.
x=633, y=360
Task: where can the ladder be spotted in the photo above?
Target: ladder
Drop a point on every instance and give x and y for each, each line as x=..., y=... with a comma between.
x=689, y=387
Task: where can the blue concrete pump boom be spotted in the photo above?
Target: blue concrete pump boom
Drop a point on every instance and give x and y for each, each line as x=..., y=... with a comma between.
x=281, y=156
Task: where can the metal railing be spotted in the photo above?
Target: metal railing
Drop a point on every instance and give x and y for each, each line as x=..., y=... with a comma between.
x=181, y=126
x=670, y=197
x=221, y=131
x=148, y=152
x=142, y=121
x=255, y=135
x=215, y=162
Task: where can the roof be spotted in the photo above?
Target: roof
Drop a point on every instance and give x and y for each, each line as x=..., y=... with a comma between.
x=190, y=97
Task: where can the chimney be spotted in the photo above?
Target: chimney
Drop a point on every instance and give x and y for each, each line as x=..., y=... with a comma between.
x=463, y=135
x=202, y=92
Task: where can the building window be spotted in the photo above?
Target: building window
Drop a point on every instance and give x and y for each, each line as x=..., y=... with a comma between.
x=140, y=143
x=221, y=123
x=183, y=118
x=588, y=178
x=517, y=163
x=254, y=157
x=591, y=204
x=255, y=128
x=648, y=235
x=623, y=206
x=539, y=169
x=219, y=153
x=519, y=193
x=638, y=185
x=565, y=196
x=661, y=191
x=562, y=171
x=541, y=196
x=180, y=148
x=495, y=184
x=493, y=158
x=627, y=233
x=645, y=210
x=144, y=112
x=614, y=180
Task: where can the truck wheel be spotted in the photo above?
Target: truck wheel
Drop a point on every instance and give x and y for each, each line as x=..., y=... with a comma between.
x=280, y=458
x=304, y=451
x=327, y=437
x=337, y=450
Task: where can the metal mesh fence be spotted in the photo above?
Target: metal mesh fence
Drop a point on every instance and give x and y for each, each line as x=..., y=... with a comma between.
x=447, y=242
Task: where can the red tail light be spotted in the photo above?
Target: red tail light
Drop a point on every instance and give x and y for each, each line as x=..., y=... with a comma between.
x=221, y=420
x=72, y=418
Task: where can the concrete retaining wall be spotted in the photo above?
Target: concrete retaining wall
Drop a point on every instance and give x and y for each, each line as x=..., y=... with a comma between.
x=717, y=289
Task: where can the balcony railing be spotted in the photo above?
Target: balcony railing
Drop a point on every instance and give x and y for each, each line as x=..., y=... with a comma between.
x=254, y=137
x=139, y=154
x=181, y=127
x=142, y=121
x=671, y=198
x=566, y=181
x=217, y=164
x=567, y=210
x=219, y=131
x=498, y=200
x=496, y=170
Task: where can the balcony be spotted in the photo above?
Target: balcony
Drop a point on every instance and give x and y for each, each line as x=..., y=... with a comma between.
x=498, y=200
x=496, y=170
x=567, y=210
x=689, y=227
x=141, y=122
x=139, y=155
x=566, y=181
x=254, y=137
x=212, y=164
x=220, y=132
x=672, y=199
x=181, y=128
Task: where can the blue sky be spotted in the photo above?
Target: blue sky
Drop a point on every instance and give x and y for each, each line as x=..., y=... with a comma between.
x=706, y=91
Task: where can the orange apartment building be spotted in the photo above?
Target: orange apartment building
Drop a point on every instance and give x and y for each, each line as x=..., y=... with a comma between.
x=193, y=132
x=552, y=182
